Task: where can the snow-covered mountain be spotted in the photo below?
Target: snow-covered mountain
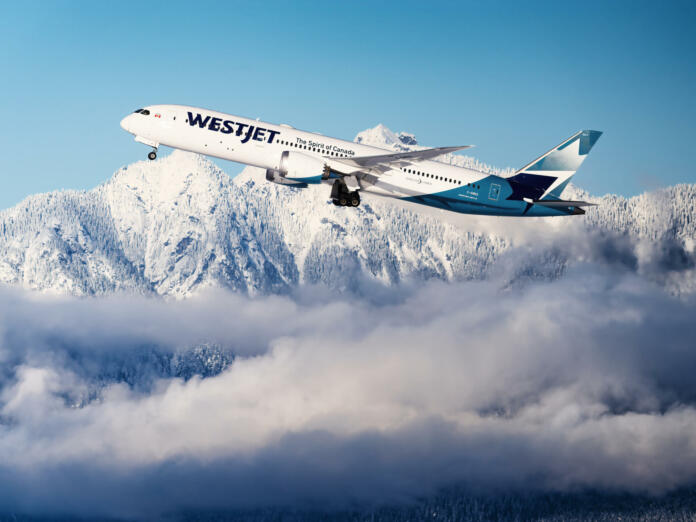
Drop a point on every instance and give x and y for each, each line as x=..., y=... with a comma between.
x=180, y=223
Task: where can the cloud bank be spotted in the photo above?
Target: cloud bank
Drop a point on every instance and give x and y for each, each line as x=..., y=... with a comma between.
x=332, y=401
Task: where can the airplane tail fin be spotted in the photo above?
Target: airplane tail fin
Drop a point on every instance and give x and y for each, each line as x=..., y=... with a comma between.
x=548, y=175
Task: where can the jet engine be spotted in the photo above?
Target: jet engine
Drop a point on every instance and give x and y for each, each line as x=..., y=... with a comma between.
x=276, y=177
x=298, y=167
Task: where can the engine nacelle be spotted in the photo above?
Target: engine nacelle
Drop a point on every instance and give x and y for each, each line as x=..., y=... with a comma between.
x=298, y=167
x=275, y=177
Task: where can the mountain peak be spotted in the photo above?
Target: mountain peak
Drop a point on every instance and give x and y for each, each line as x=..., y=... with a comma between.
x=383, y=136
x=167, y=177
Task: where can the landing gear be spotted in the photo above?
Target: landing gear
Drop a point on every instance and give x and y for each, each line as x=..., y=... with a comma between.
x=152, y=155
x=342, y=197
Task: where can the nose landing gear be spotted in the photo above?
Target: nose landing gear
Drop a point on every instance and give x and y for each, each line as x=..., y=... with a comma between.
x=342, y=197
x=152, y=154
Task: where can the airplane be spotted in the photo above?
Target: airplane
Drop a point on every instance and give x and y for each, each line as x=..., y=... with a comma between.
x=299, y=159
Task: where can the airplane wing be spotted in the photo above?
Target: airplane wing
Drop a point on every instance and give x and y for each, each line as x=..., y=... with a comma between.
x=384, y=162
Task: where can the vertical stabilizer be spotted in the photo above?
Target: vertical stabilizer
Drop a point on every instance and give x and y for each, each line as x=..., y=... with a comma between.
x=551, y=172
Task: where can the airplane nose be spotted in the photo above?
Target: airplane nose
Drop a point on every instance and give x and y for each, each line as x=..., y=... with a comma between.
x=126, y=123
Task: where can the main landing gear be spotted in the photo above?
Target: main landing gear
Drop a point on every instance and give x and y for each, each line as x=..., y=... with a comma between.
x=152, y=154
x=342, y=197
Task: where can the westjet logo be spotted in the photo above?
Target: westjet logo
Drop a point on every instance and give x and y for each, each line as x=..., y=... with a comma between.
x=249, y=132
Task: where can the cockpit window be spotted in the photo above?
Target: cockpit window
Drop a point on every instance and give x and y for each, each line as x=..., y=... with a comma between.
x=135, y=112
x=145, y=112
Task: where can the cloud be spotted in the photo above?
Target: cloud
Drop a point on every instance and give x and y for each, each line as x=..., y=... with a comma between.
x=328, y=400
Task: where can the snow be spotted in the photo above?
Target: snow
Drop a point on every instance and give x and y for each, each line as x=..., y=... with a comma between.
x=178, y=224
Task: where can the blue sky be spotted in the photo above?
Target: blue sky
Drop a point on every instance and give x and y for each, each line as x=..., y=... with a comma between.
x=514, y=78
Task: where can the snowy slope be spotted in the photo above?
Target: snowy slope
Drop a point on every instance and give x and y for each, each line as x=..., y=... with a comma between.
x=180, y=223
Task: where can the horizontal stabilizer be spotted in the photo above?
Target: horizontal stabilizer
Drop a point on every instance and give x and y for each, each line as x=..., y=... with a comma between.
x=559, y=203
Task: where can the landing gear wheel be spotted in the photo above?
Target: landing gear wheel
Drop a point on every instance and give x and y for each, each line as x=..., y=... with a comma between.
x=341, y=196
x=152, y=155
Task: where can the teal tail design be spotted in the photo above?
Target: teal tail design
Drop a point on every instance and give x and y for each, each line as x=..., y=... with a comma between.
x=550, y=173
